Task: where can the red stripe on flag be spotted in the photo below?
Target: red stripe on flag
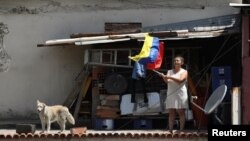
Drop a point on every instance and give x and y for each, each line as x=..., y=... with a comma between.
x=158, y=62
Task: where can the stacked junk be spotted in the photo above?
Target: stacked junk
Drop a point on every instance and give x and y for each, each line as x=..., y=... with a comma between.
x=141, y=114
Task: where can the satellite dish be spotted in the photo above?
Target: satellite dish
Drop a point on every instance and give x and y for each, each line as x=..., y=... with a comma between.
x=214, y=100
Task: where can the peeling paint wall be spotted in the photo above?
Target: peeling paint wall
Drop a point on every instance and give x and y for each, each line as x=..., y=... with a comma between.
x=48, y=74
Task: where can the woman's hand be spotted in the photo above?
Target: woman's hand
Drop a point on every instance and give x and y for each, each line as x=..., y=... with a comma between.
x=162, y=75
x=166, y=76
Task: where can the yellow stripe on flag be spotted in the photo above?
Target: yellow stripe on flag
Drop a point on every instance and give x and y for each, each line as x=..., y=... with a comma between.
x=145, y=49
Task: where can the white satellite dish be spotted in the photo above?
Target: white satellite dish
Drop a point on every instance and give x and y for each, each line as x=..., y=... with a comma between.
x=213, y=101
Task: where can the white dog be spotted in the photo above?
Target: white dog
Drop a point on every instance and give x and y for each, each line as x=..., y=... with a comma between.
x=50, y=114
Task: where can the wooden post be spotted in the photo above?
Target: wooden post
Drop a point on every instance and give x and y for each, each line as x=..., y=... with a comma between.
x=236, y=106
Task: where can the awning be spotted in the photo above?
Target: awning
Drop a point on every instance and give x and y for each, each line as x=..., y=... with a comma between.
x=204, y=28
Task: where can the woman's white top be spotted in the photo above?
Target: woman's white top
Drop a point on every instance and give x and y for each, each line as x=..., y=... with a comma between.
x=177, y=96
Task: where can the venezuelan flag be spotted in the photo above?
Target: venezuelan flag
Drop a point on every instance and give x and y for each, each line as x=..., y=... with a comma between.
x=158, y=61
x=149, y=51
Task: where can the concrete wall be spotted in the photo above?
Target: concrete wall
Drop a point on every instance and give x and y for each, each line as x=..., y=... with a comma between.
x=48, y=73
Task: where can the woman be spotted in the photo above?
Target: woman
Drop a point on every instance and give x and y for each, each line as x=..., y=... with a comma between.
x=177, y=97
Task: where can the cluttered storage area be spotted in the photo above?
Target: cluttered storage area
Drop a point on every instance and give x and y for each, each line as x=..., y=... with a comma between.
x=107, y=97
x=102, y=98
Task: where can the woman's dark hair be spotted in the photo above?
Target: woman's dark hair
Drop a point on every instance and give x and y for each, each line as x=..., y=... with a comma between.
x=179, y=56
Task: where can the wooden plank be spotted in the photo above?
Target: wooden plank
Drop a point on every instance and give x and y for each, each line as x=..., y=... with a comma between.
x=74, y=93
x=109, y=97
x=86, y=86
x=112, y=103
x=80, y=96
x=236, y=106
x=85, y=112
x=105, y=111
x=126, y=27
x=78, y=35
x=107, y=114
x=107, y=108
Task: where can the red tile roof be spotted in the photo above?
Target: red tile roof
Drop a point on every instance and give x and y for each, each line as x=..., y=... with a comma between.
x=11, y=134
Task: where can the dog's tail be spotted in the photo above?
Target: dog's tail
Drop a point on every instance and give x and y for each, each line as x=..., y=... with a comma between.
x=70, y=118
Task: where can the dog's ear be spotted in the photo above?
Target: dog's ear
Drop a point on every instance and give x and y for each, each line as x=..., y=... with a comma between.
x=44, y=104
x=37, y=101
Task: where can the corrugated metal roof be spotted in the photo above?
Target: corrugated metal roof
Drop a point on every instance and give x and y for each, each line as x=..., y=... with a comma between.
x=208, y=24
x=204, y=28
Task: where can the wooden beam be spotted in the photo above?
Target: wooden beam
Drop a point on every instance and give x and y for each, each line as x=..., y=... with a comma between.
x=236, y=106
x=85, y=85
